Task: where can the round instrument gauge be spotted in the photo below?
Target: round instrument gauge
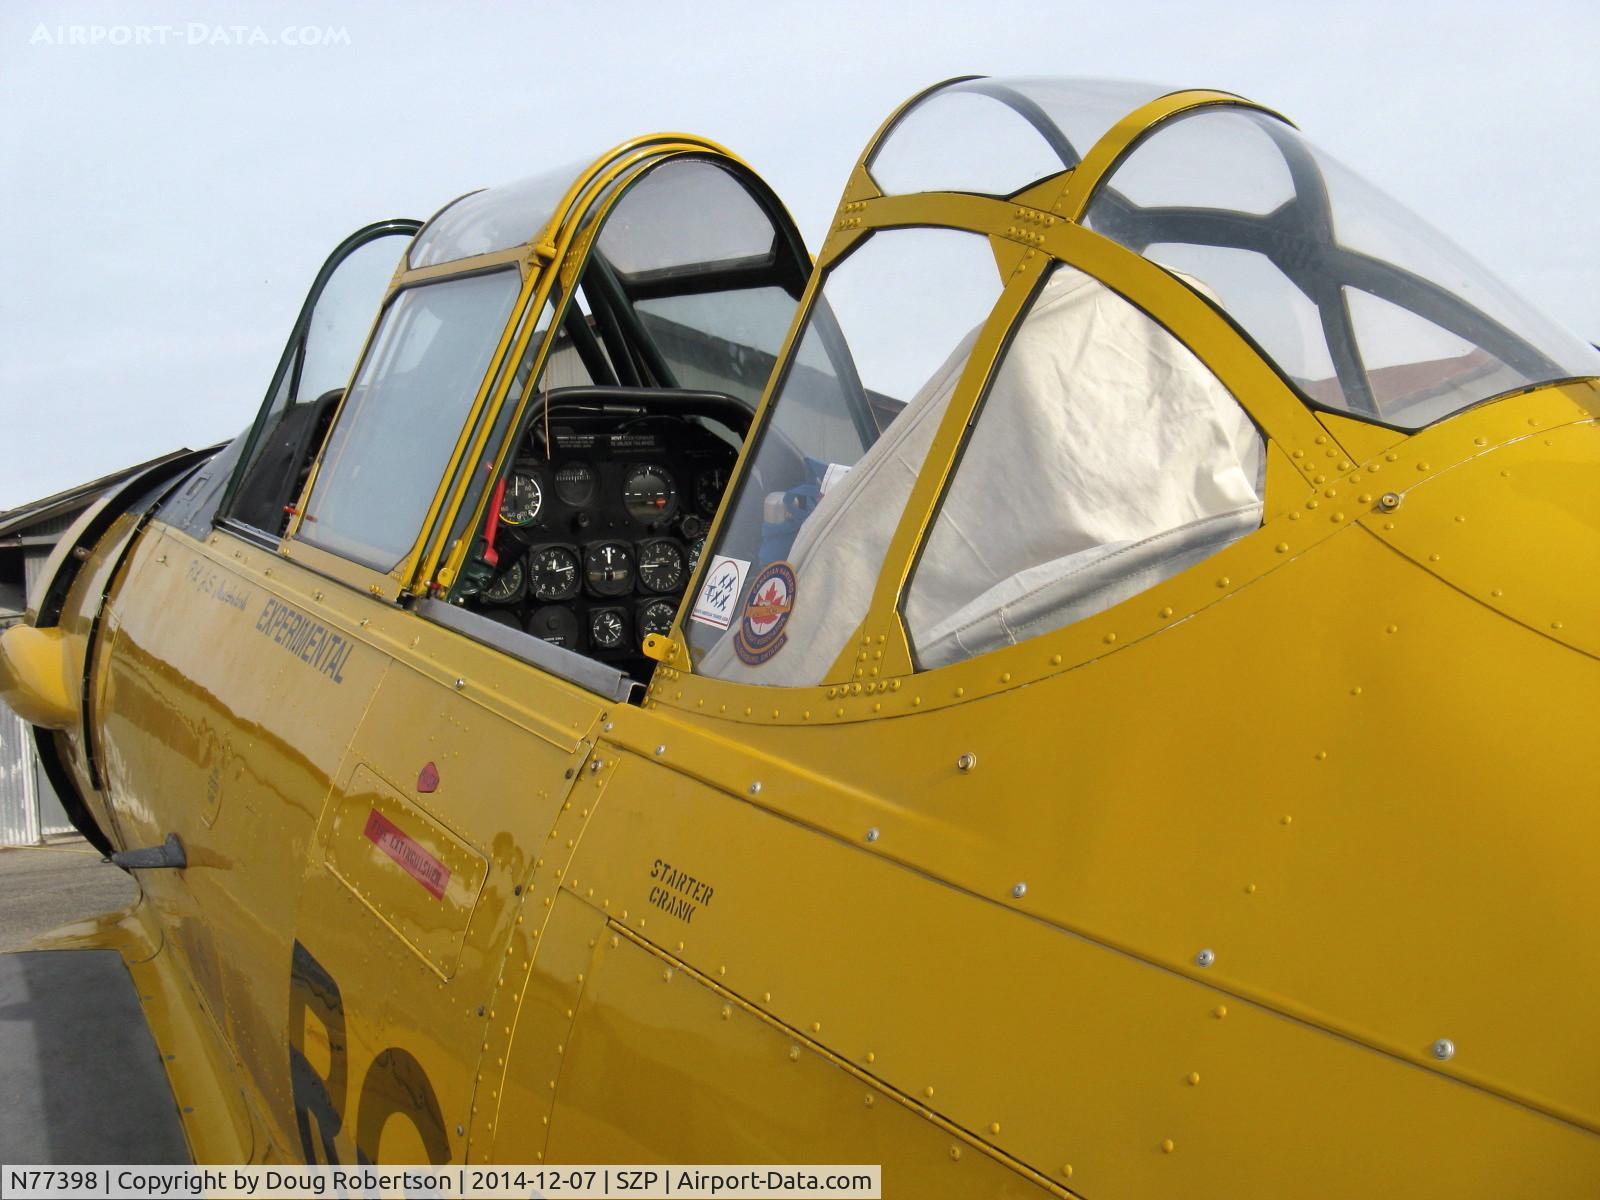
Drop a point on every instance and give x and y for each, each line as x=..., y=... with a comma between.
x=608, y=568
x=660, y=565
x=575, y=484
x=508, y=586
x=556, y=625
x=608, y=628
x=708, y=489
x=649, y=493
x=656, y=617
x=523, y=498
x=696, y=549
x=554, y=573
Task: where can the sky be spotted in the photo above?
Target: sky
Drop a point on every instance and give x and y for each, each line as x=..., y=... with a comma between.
x=173, y=174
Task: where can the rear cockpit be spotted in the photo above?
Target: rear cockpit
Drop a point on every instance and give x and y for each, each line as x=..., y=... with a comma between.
x=1059, y=334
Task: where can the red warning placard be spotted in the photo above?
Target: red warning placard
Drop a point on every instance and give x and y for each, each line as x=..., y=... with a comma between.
x=413, y=859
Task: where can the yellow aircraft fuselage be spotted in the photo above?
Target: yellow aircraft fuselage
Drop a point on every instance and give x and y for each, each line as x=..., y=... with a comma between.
x=1273, y=880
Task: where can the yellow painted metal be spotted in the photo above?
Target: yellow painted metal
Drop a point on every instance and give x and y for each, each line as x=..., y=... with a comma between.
x=41, y=673
x=427, y=855
x=948, y=921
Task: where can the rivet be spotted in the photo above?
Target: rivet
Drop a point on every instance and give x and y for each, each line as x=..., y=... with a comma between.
x=1282, y=547
x=1220, y=1011
x=727, y=1011
x=1194, y=1078
x=928, y=1092
x=794, y=1053
x=994, y=1126
x=868, y=1101
x=966, y=761
x=1392, y=629
x=1066, y=1171
x=660, y=750
x=1422, y=466
x=1249, y=889
x=460, y=1131
x=816, y=1027
x=872, y=835
x=1110, y=638
x=755, y=788
x=1389, y=501
x=1356, y=691
x=460, y=683
x=1444, y=1049
x=1167, y=1147
x=955, y=1152
x=594, y=766
x=1205, y=958
x=1555, y=625
x=1287, y=819
x=1299, y=453
x=1019, y=890
x=872, y=1056
x=609, y=727
x=960, y=691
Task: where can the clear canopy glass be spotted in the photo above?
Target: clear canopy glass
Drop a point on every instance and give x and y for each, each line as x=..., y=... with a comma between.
x=1360, y=304
x=997, y=136
x=496, y=218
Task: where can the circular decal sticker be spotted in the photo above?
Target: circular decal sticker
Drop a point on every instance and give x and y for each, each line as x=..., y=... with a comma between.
x=760, y=634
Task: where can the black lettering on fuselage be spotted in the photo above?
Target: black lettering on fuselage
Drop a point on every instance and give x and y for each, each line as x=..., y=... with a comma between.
x=394, y=1084
x=678, y=893
x=311, y=642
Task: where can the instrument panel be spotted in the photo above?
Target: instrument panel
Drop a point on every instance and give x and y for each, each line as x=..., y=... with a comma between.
x=597, y=539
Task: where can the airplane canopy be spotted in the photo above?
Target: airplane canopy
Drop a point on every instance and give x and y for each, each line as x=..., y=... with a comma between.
x=1055, y=331
x=494, y=218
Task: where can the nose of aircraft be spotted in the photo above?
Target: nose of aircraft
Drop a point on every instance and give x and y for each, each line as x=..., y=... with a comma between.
x=35, y=676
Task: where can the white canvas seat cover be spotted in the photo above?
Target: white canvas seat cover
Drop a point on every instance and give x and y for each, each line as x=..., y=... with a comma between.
x=1100, y=433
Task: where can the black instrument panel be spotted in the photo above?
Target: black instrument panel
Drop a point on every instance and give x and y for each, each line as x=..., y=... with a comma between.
x=596, y=539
